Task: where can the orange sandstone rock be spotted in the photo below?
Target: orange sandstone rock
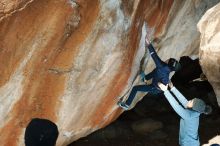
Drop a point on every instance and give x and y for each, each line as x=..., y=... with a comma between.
x=68, y=61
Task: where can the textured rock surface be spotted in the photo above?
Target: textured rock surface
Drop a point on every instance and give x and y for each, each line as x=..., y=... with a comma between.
x=209, y=54
x=214, y=140
x=68, y=61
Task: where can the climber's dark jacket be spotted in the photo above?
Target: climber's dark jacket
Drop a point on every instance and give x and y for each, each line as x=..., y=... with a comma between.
x=162, y=70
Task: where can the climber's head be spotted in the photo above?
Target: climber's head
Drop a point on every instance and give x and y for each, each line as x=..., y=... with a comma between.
x=199, y=105
x=174, y=64
x=41, y=132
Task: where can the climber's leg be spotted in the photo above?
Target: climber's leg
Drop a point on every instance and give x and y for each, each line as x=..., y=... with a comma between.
x=142, y=88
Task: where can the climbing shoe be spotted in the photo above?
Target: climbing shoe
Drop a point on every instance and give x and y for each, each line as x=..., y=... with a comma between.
x=142, y=75
x=123, y=105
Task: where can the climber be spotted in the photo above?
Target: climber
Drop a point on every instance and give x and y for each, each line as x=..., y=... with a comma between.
x=159, y=74
x=41, y=132
x=189, y=112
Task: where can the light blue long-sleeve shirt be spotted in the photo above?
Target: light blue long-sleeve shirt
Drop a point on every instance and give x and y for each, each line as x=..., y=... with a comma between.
x=189, y=122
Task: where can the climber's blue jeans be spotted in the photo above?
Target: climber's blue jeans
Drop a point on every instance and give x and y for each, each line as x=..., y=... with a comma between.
x=142, y=88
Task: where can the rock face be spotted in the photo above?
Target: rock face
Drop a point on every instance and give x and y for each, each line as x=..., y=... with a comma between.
x=209, y=27
x=68, y=61
x=214, y=140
